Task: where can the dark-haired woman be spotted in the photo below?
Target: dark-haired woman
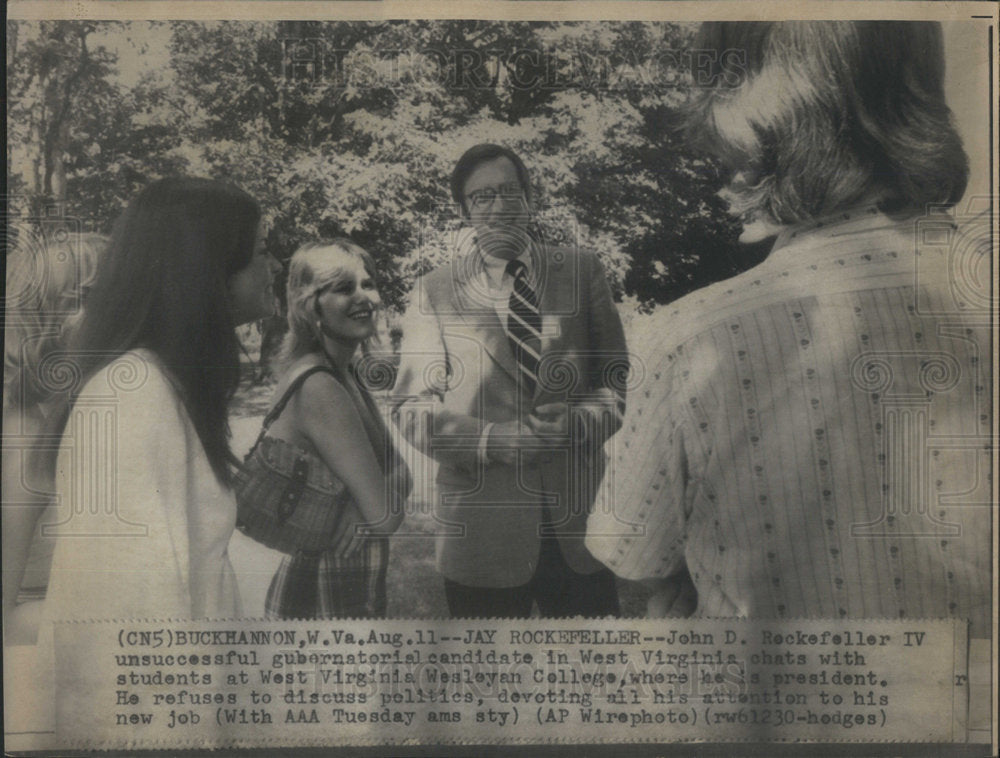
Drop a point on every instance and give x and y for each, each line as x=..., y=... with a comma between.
x=144, y=472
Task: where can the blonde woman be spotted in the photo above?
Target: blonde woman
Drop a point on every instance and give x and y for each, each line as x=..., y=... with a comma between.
x=46, y=285
x=323, y=416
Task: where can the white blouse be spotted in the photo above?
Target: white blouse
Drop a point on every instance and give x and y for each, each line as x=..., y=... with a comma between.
x=143, y=523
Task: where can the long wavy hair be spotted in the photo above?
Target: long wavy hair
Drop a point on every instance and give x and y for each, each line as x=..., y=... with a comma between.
x=46, y=283
x=162, y=286
x=813, y=117
x=314, y=267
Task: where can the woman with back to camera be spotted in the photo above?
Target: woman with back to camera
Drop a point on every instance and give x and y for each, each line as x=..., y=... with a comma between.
x=46, y=285
x=324, y=419
x=145, y=468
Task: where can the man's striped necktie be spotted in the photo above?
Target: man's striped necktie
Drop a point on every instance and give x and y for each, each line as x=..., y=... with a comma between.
x=524, y=326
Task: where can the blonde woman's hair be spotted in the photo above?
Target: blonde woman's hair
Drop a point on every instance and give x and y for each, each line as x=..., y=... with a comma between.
x=314, y=267
x=46, y=285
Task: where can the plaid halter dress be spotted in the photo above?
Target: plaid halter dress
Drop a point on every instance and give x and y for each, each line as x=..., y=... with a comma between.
x=318, y=585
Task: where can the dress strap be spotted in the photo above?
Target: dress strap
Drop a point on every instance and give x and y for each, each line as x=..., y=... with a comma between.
x=279, y=406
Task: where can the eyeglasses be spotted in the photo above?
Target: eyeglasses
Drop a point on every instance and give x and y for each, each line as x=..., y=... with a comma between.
x=484, y=198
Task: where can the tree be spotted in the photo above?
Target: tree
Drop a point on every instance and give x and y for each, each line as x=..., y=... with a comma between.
x=53, y=74
x=351, y=128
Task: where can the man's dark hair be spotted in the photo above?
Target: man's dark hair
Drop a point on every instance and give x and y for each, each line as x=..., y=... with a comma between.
x=477, y=155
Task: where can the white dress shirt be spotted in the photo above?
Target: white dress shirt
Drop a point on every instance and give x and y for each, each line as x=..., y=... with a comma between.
x=496, y=286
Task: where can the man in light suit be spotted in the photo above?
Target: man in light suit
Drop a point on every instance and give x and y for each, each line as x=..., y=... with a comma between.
x=512, y=378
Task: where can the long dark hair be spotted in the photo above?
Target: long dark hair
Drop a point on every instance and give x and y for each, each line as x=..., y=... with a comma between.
x=163, y=286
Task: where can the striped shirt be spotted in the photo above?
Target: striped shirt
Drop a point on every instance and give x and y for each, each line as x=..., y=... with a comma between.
x=811, y=438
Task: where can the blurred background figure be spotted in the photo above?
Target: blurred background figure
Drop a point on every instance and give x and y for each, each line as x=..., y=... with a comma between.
x=45, y=288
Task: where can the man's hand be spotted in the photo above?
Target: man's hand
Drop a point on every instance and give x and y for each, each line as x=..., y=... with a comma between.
x=596, y=418
x=511, y=441
x=550, y=421
x=675, y=597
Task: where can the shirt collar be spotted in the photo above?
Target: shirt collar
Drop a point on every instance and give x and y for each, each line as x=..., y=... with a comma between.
x=819, y=233
x=474, y=264
x=495, y=268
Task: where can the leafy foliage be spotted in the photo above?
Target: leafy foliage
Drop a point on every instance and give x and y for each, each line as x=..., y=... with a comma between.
x=351, y=128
